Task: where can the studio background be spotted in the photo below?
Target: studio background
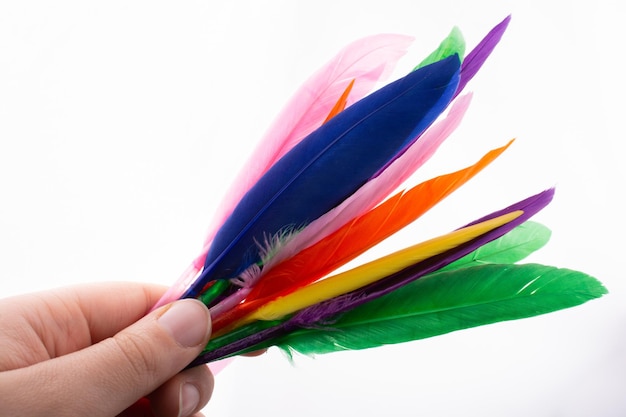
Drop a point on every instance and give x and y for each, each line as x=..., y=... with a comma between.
x=123, y=122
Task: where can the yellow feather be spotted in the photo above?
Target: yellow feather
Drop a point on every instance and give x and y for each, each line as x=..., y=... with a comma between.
x=373, y=271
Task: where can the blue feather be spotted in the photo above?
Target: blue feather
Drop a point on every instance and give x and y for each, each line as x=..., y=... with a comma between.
x=329, y=165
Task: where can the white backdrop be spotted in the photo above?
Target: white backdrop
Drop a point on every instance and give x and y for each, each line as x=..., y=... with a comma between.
x=122, y=122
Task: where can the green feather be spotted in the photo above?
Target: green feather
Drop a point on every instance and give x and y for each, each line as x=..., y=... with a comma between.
x=450, y=301
x=508, y=249
x=452, y=44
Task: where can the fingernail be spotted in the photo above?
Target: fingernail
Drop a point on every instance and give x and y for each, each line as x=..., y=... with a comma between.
x=187, y=321
x=189, y=399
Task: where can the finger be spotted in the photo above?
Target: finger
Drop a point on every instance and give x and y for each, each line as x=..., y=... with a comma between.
x=106, y=378
x=185, y=393
x=112, y=306
x=72, y=318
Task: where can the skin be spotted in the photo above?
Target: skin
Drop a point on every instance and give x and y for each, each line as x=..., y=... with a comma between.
x=96, y=350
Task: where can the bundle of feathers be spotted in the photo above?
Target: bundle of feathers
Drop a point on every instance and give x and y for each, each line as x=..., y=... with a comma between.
x=317, y=194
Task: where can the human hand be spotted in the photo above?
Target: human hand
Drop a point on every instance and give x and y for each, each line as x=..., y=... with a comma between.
x=89, y=350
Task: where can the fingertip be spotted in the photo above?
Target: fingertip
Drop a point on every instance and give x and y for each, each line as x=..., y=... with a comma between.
x=187, y=321
x=184, y=394
x=189, y=399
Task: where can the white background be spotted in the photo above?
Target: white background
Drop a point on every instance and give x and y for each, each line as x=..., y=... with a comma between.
x=122, y=122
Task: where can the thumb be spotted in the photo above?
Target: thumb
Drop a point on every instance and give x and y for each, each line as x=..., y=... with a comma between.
x=106, y=378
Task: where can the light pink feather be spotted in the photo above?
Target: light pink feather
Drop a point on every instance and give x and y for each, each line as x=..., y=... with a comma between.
x=367, y=61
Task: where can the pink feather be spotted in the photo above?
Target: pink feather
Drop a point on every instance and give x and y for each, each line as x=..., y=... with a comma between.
x=366, y=61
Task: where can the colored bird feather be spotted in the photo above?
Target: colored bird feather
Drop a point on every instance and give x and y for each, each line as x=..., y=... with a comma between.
x=446, y=301
x=319, y=173
x=316, y=194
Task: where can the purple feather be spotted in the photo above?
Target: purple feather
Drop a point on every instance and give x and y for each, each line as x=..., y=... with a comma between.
x=337, y=305
x=477, y=57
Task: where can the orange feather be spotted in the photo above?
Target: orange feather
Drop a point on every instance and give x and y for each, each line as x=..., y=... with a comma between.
x=341, y=103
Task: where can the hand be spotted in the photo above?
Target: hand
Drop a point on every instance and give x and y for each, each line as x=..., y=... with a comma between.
x=89, y=351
